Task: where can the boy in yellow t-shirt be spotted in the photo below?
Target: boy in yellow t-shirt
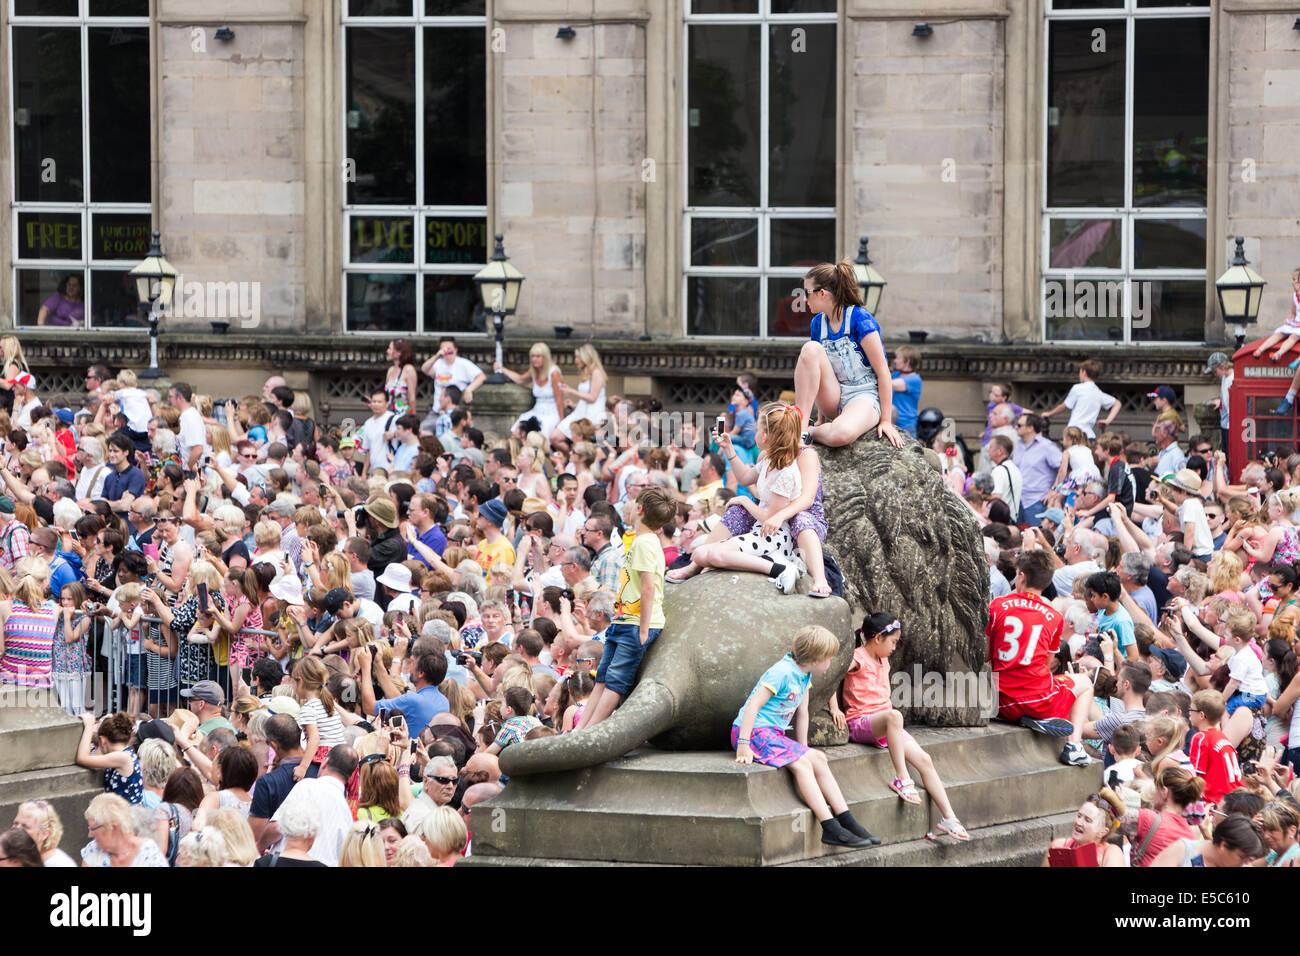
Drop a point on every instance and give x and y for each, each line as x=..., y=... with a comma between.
x=496, y=547
x=638, y=608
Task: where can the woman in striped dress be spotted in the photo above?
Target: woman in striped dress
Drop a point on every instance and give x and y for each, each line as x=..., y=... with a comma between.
x=30, y=619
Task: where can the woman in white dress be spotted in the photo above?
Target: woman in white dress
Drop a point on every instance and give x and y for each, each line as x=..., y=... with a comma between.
x=548, y=389
x=590, y=394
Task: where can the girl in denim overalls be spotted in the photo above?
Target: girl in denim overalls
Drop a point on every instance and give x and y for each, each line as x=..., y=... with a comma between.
x=841, y=367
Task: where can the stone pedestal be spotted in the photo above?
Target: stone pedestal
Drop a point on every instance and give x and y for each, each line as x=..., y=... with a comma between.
x=38, y=746
x=496, y=407
x=1206, y=417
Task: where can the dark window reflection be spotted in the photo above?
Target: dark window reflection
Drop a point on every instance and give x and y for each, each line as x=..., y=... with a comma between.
x=1171, y=83
x=1085, y=123
x=381, y=115
x=45, y=8
x=724, y=242
x=455, y=8
x=723, y=115
x=379, y=8
x=787, y=309
x=455, y=117
x=802, y=242
x=801, y=134
x=380, y=302
x=119, y=115
x=721, y=306
x=452, y=304
x=1169, y=244
x=119, y=8
x=1167, y=310
x=113, y=301
x=47, y=114
x=724, y=6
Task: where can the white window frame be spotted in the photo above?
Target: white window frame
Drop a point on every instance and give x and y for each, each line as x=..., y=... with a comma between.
x=763, y=213
x=86, y=208
x=419, y=213
x=1128, y=214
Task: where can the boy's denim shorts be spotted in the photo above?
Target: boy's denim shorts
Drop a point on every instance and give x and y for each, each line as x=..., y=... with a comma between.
x=1252, y=701
x=621, y=661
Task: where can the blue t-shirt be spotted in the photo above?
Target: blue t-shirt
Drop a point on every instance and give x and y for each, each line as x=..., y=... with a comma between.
x=1121, y=623
x=859, y=326
x=907, y=401
x=748, y=427
x=434, y=539
x=419, y=707
x=788, y=683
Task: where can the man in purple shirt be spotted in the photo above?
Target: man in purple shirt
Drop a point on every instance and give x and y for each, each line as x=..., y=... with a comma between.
x=1039, y=459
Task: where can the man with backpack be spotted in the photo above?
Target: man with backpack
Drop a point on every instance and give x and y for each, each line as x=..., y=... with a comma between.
x=376, y=437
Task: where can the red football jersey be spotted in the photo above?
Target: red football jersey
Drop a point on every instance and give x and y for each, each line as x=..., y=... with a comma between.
x=1215, y=759
x=1023, y=631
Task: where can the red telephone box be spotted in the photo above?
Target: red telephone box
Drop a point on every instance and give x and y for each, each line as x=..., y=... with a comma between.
x=1254, y=427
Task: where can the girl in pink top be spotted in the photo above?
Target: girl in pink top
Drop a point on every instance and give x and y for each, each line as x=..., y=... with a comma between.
x=871, y=718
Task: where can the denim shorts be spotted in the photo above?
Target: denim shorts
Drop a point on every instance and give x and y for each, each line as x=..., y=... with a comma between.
x=1253, y=701
x=135, y=675
x=621, y=660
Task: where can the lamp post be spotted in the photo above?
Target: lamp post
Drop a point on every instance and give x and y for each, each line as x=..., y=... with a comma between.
x=498, y=285
x=871, y=281
x=1240, y=290
x=155, y=280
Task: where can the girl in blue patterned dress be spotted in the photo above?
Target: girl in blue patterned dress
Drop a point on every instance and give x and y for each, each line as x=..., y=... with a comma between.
x=116, y=758
x=759, y=734
x=71, y=661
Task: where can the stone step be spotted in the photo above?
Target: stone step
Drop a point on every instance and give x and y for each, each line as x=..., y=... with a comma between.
x=33, y=738
x=1008, y=844
x=68, y=789
x=704, y=808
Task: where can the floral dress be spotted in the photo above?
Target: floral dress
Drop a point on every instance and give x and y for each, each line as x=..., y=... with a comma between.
x=196, y=660
x=130, y=789
x=69, y=658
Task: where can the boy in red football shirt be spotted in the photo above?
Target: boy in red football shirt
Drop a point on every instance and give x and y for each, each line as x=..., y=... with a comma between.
x=1024, y=632
x=1212, y=756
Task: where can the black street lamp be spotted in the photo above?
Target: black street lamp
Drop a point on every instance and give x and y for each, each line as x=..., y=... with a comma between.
x=1240, y=290
x=871, y=281
x=155, y=280
x=498, y=285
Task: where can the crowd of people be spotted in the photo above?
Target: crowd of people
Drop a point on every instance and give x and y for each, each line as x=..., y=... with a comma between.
x=296, y=645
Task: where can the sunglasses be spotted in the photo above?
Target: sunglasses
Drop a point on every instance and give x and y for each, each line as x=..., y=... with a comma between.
x=443, y=780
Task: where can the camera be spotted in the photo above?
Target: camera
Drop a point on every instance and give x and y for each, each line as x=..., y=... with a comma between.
x=464, y=658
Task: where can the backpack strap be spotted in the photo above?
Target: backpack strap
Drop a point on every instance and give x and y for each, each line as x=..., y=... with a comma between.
x=1136, y=859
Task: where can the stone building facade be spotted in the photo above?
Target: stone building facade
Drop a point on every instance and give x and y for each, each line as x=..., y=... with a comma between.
x=662, y=177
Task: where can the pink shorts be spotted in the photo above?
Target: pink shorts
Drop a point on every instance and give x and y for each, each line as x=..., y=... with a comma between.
x=860, y=732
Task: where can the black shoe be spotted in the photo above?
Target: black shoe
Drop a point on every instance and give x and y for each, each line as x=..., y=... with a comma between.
x=835, y=835
x=846, y=820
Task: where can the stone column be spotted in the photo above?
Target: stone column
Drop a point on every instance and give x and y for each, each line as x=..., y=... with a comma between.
x=496, y=407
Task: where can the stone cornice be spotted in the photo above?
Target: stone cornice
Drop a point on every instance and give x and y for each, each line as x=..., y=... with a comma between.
x=680, y=359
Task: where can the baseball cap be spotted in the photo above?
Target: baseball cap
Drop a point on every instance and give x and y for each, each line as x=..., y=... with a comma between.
x=26, y=379
x=1215, y=360
x=205, y=690
x=6, y=505
x=1054, y=515
x=160, y=729
x=64, y=415
x=333, y=601
x=1165, y=392
x=1175, y=663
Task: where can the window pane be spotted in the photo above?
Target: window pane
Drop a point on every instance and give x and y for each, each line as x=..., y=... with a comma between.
x=1085, y=114
x=723, y=115
x=455, y=8
x=1084, y=308
x=803, y=6
x=39, y=288
x=1171, y=83
x=119, y=8
x=1169, y=244
x=1169, y=311
x=1205, y=4
x=119, y=115
x=452, y=304
x=724, y=242
x=452, y=240
x=380, y=302
x=455, y=117
x=382, y=239
x=45, y=8
x=721, y=306
x=801, y=132
x=787, y=309
x=802, y=242
x=381, y=115
x=379, y=8
x=1087, y=4
x=1084, y=243
x=113, y=301
x=47, y=114
x=49, y=235
x=120, y=236
x=724, y=6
